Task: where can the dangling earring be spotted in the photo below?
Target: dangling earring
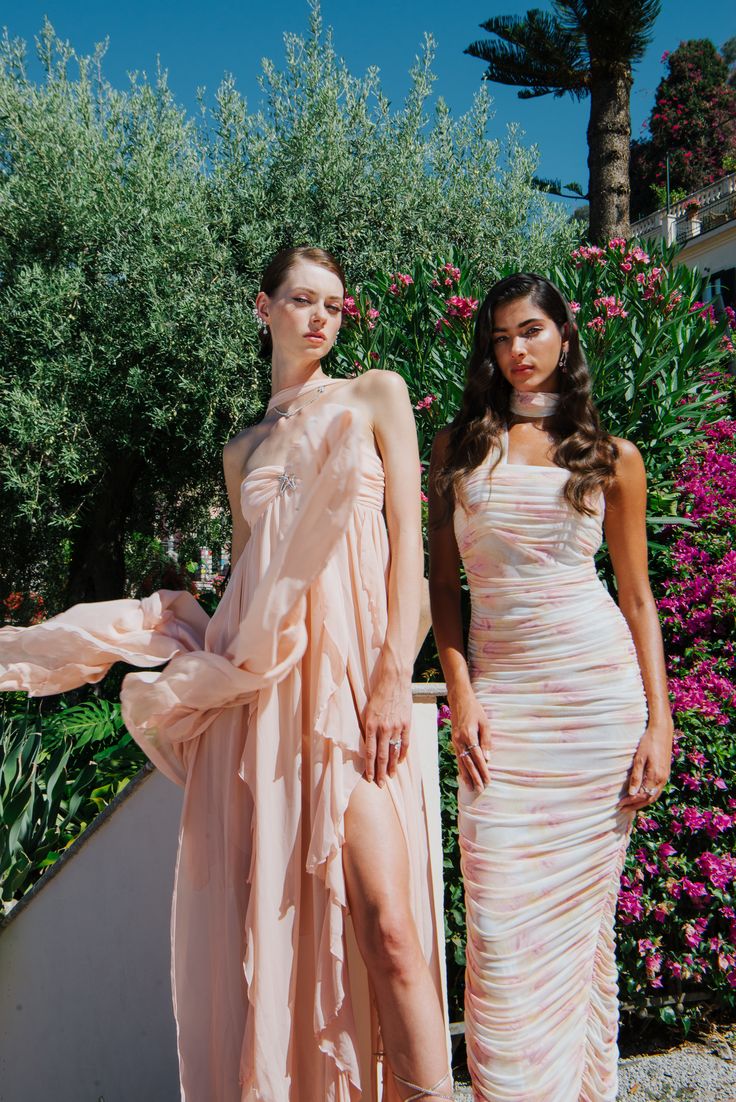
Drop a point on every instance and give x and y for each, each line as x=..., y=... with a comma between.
x=262, y=325
x=562, y=363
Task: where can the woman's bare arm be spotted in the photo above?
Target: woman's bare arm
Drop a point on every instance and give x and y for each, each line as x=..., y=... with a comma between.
x=470, y=725
x=625, y=526
x=388, y=713
x=233, y=459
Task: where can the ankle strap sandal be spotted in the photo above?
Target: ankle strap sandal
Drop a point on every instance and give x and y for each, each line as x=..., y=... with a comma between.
x=427, y=1092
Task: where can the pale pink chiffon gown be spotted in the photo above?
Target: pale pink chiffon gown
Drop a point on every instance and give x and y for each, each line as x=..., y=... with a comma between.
x=258, y=714
x=553, y=663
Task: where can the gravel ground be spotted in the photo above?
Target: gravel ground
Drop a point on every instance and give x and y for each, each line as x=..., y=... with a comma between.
x=694, y=1072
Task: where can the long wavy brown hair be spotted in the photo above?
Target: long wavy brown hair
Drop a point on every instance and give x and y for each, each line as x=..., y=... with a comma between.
x=581, y=445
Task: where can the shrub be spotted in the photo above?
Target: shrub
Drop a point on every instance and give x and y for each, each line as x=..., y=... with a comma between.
x=677, y=909
x=57, y=772
x=655, y=356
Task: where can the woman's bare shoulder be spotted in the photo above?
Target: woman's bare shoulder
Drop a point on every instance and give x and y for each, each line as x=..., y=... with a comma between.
x=629, y=458
x=381, y=383
x=237, y=450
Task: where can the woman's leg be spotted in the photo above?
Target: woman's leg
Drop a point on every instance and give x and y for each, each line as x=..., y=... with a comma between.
x=377, y=874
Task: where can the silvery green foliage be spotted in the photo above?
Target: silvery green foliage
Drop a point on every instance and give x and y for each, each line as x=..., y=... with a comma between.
x=328, y=160
x=124, y=329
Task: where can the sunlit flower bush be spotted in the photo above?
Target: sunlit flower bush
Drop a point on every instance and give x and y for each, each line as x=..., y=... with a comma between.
x=677, y=908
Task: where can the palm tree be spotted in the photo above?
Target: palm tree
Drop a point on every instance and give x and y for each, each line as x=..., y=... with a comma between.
x=582, y=48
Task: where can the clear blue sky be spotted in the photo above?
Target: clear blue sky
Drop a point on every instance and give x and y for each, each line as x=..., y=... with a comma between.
x=199, y=42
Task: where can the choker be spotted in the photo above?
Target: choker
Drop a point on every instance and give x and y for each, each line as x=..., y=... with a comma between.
x=533, y=403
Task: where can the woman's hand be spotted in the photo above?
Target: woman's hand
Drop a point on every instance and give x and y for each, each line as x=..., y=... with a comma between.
x=471, y=740
x=650, y=768
x=387, y=722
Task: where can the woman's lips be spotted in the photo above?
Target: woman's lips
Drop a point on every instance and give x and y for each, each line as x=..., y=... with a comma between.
x=315, y=337
x=522, y=369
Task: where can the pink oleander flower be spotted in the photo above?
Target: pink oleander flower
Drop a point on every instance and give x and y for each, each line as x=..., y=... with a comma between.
x=591, y=253
x=400, y=279
x=373, y=315
x=575, y=307
x=453, y=274
x=425, y=403
x=349, y=307
x=612, y=305
x=598, y=324
x=459, y=307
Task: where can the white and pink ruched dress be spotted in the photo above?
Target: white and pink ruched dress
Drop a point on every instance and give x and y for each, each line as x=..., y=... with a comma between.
x=257, y=714
x=553, y=664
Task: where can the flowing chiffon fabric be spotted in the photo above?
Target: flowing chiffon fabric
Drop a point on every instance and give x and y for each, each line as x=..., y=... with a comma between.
x=554, y=666
x=258, y=715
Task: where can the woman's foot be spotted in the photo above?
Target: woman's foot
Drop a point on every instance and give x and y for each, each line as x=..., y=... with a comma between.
x=442, y=1085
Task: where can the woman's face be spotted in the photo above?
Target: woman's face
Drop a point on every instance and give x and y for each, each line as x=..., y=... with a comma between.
x=305, y=312
x=526, y=346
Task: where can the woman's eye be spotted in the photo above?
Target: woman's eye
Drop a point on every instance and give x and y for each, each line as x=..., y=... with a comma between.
x=298, y=299
x=335, y=309
x=533, y=331
x=497, y=340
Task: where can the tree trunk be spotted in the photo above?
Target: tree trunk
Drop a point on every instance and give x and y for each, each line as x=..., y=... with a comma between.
x=609, y=136
x=97, y=567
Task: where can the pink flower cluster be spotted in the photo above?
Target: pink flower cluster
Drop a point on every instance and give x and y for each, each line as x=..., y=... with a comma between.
x=613, y=306
x=591, y=254
x=459, y=307
x=677, y=921
x=426, y=402
x=400, y=279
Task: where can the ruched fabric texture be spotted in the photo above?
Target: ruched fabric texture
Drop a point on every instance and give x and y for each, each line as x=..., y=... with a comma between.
x=258, y=715
x=553, y=663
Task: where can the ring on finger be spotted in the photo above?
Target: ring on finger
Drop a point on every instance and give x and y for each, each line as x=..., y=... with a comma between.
x=649, y=791
x=468, y=750
x=396, y=742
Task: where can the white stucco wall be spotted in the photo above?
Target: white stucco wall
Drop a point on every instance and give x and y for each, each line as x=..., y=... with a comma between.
x=85, y=1003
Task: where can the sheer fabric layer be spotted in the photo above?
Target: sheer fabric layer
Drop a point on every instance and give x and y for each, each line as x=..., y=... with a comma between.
x=553, y=663
x=257, y=714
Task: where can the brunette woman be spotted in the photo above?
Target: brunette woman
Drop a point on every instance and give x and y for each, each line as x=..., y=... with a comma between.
x=560, y=714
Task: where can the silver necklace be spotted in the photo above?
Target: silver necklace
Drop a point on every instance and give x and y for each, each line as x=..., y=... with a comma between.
x=291, y=412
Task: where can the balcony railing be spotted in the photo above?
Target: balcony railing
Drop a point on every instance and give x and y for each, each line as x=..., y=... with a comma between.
x=704, y=210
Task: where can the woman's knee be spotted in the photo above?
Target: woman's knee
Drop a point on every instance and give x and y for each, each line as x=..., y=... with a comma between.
x=390, y=942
